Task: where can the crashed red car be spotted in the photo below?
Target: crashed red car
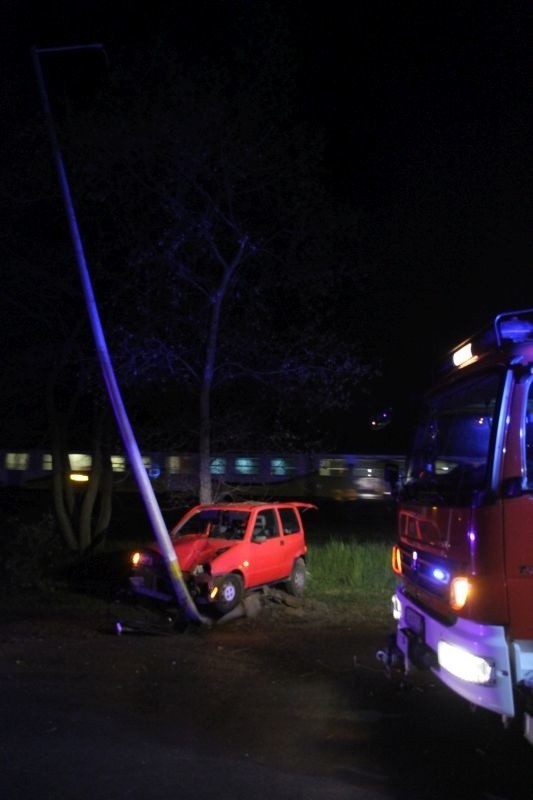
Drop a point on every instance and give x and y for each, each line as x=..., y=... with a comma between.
x=227, y=549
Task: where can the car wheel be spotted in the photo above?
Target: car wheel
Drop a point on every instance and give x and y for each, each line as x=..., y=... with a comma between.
x=230, y=592
x=296, y=583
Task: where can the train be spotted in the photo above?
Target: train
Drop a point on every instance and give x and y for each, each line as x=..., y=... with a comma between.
x=334, y=476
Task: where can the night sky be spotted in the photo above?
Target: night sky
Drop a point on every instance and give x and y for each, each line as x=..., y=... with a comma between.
x=427, y=109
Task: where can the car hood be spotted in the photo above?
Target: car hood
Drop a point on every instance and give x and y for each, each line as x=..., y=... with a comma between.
x=193, y=550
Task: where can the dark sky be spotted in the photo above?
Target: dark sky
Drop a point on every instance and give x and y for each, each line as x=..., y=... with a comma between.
x=428, y=115
x=435, y=147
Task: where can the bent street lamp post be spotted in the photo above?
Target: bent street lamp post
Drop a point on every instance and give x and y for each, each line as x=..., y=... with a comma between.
x=130, y=443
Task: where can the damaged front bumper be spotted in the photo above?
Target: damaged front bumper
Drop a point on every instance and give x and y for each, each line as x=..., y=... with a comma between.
x=158, y=588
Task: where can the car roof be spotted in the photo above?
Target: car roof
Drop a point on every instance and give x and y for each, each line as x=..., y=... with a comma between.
x=252, y=505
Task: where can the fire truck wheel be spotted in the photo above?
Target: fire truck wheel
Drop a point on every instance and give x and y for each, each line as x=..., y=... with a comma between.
x=296, y=583
x=230, y=592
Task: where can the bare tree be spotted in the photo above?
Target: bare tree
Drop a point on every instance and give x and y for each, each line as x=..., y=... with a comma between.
x=227, y=277
x=229, y=265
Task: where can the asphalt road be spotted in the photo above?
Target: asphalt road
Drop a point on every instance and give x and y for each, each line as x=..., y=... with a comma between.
x=292, y=704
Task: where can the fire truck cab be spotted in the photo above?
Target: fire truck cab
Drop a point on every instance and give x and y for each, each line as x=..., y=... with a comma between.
x=463, y=605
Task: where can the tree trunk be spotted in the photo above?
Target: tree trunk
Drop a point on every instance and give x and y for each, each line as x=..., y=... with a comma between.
x=206, y=489
x=217, y=298
x=106, y=498
x=64, y=519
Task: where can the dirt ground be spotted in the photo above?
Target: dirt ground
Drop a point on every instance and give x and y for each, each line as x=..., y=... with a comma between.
x=288, y=702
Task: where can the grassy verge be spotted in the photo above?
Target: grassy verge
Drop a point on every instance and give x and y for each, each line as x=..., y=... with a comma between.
x=355, y=574
x=348, y=561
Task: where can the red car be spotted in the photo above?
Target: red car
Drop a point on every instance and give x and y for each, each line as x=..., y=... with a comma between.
x=227, y=549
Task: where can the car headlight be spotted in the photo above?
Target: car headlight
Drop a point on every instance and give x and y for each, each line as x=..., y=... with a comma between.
x=141, y=559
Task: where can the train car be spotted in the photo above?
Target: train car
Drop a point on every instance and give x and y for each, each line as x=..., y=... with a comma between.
x=341, y=477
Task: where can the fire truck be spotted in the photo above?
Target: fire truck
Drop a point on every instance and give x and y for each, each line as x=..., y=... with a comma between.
x=463, y=554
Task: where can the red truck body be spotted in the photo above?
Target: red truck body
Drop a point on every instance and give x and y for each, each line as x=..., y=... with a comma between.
x=463, y=605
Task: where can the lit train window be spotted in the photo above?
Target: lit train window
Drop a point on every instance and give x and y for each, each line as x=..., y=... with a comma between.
x=173, y=465
x=218, y=466
x=332, y=466
x=247, y=466
x=17, y=461
x=80, y=461
x=118, y=463
x=282, y=466
x=181, y=465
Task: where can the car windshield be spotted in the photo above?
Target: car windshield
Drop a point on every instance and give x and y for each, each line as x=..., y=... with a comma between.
x=216, y=523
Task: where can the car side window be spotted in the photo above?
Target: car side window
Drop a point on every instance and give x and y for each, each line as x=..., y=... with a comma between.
x=289, y=521
x=271, y=524
x=266, y=526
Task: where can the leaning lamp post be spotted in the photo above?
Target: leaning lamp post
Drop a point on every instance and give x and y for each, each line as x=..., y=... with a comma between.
x=145, y=487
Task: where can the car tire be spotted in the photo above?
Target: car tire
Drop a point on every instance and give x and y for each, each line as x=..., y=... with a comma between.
x=230, y=593
x=297, y=580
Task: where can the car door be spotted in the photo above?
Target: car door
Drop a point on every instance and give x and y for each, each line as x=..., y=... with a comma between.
x=268, y=560
x=293, y=537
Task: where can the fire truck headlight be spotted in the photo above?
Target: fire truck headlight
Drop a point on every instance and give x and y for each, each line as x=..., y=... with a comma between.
x=459, y=591
x=465, y=665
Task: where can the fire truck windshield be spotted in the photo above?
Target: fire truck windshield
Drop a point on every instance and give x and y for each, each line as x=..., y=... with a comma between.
x=452, y=443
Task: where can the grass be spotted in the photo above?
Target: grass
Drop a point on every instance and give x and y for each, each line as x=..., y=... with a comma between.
x=355, y=574
x=349, y=558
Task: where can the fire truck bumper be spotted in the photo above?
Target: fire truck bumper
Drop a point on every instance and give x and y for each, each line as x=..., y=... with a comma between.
x=471, y=659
